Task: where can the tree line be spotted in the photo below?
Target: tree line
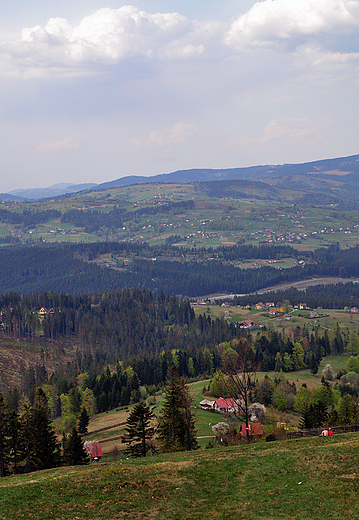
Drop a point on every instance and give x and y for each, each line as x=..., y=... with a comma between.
x=71, y=268
x=28, y=440
x=28, y=217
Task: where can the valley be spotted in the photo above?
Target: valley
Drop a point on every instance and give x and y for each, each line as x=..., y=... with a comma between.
x=104, y=290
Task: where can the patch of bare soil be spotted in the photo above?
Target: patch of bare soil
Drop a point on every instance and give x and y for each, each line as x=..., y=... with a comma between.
x=18, y=356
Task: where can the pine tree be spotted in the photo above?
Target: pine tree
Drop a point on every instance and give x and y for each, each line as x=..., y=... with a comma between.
x=84, y=420
x=314, y=416
x=4, y=448
x=139, y=431
x=172, y=429
x=13, y=431
x=26, y=442
x=176, y=429
x=73, y=449
x=187, y=400
x=314, y=364
x=46, y=446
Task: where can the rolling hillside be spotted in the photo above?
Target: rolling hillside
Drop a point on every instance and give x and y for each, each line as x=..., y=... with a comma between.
x=300, y=479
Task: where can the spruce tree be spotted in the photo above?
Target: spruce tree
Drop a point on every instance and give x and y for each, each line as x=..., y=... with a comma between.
x=4, y=448
x=46, y=446
x=189, y=418
x=13, y=432
x=26, y=442
x=73, y=449
x=84, y=420
x=314, y=364
x=176, y=424
x=139, y=431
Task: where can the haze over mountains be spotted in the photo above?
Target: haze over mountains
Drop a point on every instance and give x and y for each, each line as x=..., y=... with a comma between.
x=322, y=175
x=52, y=191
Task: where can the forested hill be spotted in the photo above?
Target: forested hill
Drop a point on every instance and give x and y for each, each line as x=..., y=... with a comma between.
x=118, y=340
x=122, y=329
x=74, y=269
x=111, y=325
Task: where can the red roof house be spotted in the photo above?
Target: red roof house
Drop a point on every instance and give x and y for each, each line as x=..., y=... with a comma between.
x=254, y=429
x=226, y=405
x=93, y=449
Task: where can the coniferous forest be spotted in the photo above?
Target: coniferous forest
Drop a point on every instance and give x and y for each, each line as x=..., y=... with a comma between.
x=73, y=269
x=116, y=342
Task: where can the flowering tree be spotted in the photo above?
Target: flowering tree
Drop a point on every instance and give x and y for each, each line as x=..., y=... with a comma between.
x=220, y=430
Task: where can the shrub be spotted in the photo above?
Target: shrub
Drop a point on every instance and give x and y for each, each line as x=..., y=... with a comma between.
x=328, y=372
x=256, y=412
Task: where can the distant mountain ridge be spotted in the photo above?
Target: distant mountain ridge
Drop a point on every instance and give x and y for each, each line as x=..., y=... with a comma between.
x=56, y=190
x=338, y=167
x=315, y=175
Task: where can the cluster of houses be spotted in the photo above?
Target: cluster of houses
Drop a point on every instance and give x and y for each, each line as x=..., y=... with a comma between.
x=43, y=311
x=271, y=235
x=221, y=405
x=230, y=405
x=248, y=324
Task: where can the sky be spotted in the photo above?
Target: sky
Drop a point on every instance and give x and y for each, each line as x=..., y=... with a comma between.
x=95, y=90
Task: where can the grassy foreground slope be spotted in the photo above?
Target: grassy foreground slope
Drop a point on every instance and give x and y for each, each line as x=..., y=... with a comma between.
x=299, y=479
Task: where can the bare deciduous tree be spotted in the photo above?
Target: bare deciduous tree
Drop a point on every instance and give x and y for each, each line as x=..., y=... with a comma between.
x=240, y=366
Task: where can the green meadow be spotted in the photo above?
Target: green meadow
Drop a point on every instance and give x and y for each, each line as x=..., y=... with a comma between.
x=298, y=479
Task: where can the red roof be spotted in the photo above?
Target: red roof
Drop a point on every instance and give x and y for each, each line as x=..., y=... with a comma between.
x=254, y=429
x=94, y=450
x=226, y=403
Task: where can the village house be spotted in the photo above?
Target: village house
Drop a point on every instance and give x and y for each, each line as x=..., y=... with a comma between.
x=226, y=405
x=93, y=450
x=207, y=405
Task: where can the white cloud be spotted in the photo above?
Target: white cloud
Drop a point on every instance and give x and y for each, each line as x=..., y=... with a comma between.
x=180, y=133
x=283, y=133
x=186, y=51
x=65, y=145
x=273, y=21
x=287, y=128
x=110, y=36
x=317, y=56
x=106, y=37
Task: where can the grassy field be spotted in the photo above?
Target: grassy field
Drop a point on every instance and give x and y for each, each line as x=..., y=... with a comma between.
x=300, y=377
x=328, y=318
x=299, y=479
